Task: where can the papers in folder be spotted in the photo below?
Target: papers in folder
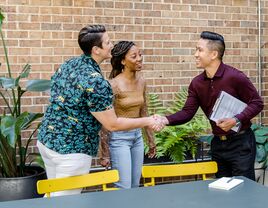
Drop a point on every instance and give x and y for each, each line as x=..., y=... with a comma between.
x=225, y=183
x=227, y=106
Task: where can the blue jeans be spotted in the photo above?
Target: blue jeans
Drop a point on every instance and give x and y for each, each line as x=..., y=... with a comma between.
x=127, y=152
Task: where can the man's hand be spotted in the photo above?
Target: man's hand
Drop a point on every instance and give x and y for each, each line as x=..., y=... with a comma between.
x=226, y=123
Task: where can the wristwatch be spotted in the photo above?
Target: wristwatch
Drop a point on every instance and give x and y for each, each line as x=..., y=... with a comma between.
x=238, y=123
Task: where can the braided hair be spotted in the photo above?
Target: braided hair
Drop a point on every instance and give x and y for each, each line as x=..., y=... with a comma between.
x=118, y=54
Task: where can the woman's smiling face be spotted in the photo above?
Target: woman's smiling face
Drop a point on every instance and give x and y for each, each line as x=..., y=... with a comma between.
x=133, y=59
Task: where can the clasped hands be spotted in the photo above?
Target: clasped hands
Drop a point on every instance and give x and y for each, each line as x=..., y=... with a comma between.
x=158, y=122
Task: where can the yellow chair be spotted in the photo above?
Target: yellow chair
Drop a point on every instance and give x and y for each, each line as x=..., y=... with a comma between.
x=198, y=168
x=74, y=182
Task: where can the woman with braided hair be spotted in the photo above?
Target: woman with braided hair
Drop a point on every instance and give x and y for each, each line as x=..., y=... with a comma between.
x=125, y=148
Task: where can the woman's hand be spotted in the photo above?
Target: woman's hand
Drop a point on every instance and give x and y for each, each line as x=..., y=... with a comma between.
x=152, y=151
x=105, y=162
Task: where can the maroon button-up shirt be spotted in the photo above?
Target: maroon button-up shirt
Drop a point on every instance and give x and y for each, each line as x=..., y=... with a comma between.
x=203, y=92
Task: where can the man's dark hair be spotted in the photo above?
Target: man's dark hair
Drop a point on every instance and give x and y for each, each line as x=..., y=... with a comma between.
x=90, y=36
x=118, y=54
x=216, y=42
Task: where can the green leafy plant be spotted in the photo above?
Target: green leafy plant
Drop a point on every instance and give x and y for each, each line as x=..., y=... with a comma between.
x=261, y=134
x=14, y=151
x=176, y=141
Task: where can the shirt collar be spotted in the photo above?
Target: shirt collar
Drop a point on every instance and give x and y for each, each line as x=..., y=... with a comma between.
x=89, y=60
x=219, y=72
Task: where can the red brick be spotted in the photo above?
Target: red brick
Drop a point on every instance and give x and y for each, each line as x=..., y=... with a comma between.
x=163, y=81
x=11, y=43
x=29, y=26
x=42, y=100
x=133, y=13
x=143, y=36
x=91, y=11
x=41, y=2
x=161, y=6
x=52, y=43
x=62, y=3
x=104, y=4
x=152, y=13
x=19, y=51
x=124, y=36
x=63, y=51
x=104, y=20
x=111, y=12
x=124, y=20
x=199, y=8
x=72, y=11
x=51, y=10
x=154, y=44
x=72, y=27
x=143, y=6
x=61, y=19
x=152, y=59
x=51, y=26
x=30, y=43
x=84, y=3
x=146, y=21
x=18, y=17
x=62, y=35
x=124, y=5
x=216, y=8
x=28, y=9
x=28, y=59
x=41, y=18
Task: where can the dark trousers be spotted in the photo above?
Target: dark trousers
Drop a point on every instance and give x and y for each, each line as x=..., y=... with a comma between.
x=235, y=156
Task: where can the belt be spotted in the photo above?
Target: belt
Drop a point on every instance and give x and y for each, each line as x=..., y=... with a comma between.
x=225, y=137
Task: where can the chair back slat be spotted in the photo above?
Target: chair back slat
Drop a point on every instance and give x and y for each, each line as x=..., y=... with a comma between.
x=75, y=182
x=188, y=169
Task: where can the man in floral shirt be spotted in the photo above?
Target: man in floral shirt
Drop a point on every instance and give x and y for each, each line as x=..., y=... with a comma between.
x=68, y=126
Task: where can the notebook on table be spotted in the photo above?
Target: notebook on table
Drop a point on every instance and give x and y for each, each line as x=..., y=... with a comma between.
x=225, y=183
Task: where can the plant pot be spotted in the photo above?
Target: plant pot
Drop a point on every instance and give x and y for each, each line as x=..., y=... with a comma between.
x=162, y=159
x=200, y=155
x=200, y=152
x=22, y=187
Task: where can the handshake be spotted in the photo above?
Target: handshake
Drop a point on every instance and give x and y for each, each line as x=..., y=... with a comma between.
x=158, y=122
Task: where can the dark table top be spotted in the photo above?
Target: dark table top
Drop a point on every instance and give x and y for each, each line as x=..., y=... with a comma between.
x=185, y=195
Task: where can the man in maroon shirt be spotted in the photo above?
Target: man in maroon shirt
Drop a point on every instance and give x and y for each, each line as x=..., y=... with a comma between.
x=233, y=151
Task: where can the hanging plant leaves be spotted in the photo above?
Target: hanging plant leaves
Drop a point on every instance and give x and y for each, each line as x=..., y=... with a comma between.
x=38, y=85
x=7, y=83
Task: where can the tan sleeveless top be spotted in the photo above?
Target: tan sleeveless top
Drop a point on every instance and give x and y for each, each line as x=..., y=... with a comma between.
x=128, y=104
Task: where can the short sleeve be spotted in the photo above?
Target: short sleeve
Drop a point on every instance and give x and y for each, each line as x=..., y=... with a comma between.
x=99, y=94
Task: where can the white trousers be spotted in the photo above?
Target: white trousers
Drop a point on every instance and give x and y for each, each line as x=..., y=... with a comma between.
x=64, y=165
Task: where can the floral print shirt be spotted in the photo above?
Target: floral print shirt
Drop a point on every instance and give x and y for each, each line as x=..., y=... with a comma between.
x=77, y=89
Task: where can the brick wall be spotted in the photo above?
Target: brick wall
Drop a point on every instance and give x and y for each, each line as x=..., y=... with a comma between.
x=44, y=34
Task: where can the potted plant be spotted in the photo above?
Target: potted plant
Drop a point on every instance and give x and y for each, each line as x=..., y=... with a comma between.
x=180, y=141
x=261, y=134
x=261, y=161
x=15, y=168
